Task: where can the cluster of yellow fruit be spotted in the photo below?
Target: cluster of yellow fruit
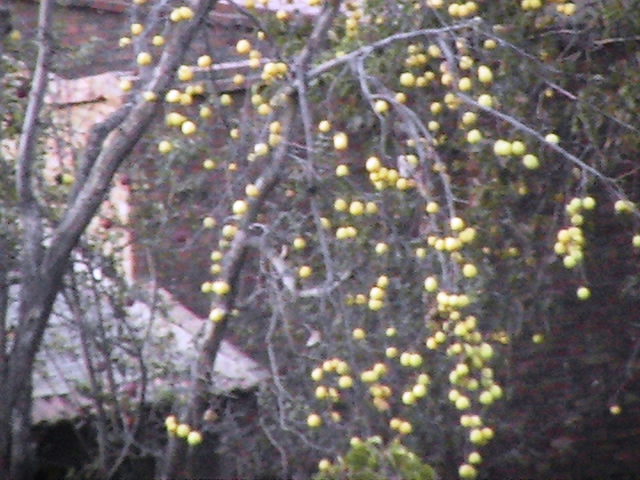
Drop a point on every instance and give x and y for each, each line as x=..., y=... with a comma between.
x=342, y=379
x=378, y=293
x=624, y=206
x=379, y=392
x=273, y=71
x=470, y=378
x=219, y=287
x=403, y=427
x=569, y=245
x=575, y=207
x=462, y=10
x=563, y=7
x=531, y=4
x=420, y=388
x=180, y=14
x=568, y=8
x=460, y=236
x=356, y=209
x=352, y=21
x=382, y=177
x=570, y=241
x=184, y=98
x=182, y=430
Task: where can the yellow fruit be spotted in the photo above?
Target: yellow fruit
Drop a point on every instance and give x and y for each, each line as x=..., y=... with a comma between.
x=342, y=170
x=137, y=28
x=469, y=270
x=381, y=106
x=381, y=248
x=486, y=398
x=125, y=85
x=391, y=352
x=356, y=208
x=518, y=148
x=485, y=100
x=67, y=179
x=463, y=403
x=467, y=472
x=229, y=231
x=185, y=73
x=476, y=437
x=314, y=420
x=405, y=428
x=474, y=458
x=243, y=46
x=583, y=293
x=188, y=127
x=324, y=126
x=407, y=79
x=359, y=334
x=474, y=136
x=623, y=206
x=375, y=304
x=456, y=224
x=502, y=148
x=194, y=438
x=205, y=61
x=415, y=360
x=469, y=118
x=305, y=271
x=144, y=58
x=465, y=84
x=485, y=75
x=185, y=13
x=430, y=284
x=345, y=381
x=552, y=138
x=340, y=141
x=173, y=96
x=165, y=146
x=220, y=287
x=239, y=207
x=183, y=430
x=217, y=314
x=340, y=205
x=373, y=164
x=408, y=398
x=530, y=161
x=175, y=119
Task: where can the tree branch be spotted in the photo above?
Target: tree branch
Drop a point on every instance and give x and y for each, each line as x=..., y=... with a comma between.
x=28, y=205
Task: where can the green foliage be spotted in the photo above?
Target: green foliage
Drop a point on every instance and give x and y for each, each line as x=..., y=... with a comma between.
x=373, y=460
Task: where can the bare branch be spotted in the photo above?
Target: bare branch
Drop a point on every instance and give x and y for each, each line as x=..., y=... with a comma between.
x=29, y=210
x=398, y=37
